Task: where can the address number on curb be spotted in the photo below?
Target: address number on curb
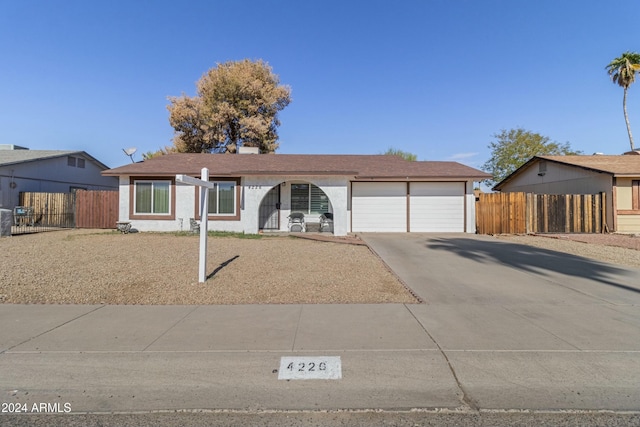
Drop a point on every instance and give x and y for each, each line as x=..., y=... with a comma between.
x=310, y=368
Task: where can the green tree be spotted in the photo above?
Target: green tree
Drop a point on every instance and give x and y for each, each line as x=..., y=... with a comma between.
x=622, y=71
x=237, y=103
x=404, y=154
x=513, y=148
x=161, y=152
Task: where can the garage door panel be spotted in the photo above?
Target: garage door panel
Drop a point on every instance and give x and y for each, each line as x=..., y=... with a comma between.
x=437, y=207
x=379, y=206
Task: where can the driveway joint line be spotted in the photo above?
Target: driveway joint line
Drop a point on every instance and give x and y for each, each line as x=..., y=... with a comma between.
x=53, y=329
x=376, y=350
x=241, y=351
x=465, y=399
x=295, y=335
x=540, y=327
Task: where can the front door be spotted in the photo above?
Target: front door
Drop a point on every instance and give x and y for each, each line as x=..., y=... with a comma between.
x=269, y=218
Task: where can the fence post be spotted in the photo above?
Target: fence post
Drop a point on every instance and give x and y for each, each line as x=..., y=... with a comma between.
x=603, y=211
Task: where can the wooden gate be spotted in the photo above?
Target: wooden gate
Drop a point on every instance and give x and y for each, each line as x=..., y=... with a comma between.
x=96, y=209
x=501, y=213
x=520, y=213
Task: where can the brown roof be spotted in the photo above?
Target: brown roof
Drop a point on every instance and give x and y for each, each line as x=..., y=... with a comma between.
x=358, y=166
x=616, y=165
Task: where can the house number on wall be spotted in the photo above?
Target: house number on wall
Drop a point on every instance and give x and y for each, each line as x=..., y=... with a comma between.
x=310, y=368
x=255, y=187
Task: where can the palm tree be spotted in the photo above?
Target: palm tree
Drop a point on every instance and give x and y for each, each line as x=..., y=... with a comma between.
x=623, y=72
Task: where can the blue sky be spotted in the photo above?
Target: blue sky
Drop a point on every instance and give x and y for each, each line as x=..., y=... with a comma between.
x=435, y=77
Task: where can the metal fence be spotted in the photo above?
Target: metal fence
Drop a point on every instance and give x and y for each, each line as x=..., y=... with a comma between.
x=23, y=224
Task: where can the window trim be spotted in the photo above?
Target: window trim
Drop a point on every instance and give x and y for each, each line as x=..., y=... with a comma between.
x=220, y=217
x=151, y=216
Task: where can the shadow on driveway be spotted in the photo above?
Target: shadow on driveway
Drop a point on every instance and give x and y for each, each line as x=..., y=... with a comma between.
x=535, y=260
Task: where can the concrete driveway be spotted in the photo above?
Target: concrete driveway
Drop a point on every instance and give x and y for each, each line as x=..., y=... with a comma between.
x=520, y=324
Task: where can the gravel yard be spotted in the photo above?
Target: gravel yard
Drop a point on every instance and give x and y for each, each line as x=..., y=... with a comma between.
x=98, y=267
x=613, y=248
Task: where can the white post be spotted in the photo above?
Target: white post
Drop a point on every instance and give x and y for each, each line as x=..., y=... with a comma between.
x=204, y=185
x=204, y=222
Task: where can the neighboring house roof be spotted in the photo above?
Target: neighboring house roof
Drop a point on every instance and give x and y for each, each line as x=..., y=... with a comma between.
x=12, y=157
x=620, y=165
x=360, y=166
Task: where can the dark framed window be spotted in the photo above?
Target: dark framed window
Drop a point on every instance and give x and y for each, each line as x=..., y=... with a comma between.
x=308, y=199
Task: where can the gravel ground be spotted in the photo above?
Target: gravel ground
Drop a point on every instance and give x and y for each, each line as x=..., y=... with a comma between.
x=98, y=267
x=619, y=249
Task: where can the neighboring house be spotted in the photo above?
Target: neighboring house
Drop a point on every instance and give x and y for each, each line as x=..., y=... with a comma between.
x=48, y=171
x=258, y=192
x=616, y=176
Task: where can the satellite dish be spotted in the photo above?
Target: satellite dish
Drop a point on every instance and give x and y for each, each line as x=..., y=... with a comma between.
x=130, y=152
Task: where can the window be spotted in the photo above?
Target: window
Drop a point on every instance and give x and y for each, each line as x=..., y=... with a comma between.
x=222, y=199
x=71, y=161
x=152, y=197
x=309, y=199
x=635, y=194
x=300, y=198
x=542, y=166
x=80, y=163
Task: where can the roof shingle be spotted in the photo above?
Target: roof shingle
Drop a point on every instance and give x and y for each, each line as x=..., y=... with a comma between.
x=358, y=166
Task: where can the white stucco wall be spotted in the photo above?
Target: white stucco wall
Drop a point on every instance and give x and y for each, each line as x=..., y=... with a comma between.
x=252, y=191
x=470, y=208
x=257, y=187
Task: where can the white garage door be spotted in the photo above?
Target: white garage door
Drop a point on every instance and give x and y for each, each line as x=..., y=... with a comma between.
x=379, y=206
x=436, y=206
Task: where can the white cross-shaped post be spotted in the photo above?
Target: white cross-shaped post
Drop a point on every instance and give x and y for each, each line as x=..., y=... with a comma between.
x=204, y=185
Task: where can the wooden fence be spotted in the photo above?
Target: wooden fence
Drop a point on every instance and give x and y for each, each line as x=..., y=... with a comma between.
x=96, y=209
x=50, y=209
x=82, y=209
x=519, y=213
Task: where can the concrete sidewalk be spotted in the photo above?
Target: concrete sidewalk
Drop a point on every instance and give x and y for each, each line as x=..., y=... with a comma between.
x=508, y=336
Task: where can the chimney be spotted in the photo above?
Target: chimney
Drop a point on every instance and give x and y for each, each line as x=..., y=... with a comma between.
x=248, y=150
x=11, y=147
